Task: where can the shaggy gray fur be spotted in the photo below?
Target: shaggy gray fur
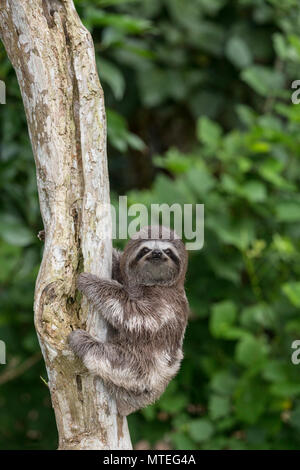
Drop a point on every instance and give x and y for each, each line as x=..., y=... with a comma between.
x=146, y=308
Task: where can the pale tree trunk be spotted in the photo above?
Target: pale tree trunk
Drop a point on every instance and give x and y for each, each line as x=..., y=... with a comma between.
x=53, y=56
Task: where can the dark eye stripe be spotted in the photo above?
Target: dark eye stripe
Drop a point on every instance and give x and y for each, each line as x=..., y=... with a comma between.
x=172, y=255
x=141, y=253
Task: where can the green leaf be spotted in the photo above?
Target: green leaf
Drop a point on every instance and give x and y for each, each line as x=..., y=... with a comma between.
x=254, y=191
x=286, y=389
x=280, y=45
x=181, y=441
x=212, y=6
x=270, y=170
x=208, y=132
x=283, y=245
x=173, y=404
x=119, y=135
x=135, y=142
x=124, y=23
x=288, y=211
x=223, y=382
x=173, y=401
x=246, y=114
x=251, y=351
x=264, y=80
x=13, y=231
x=200, y=180
x=174, y=161
x=164, y=191
x=238, y=52
x=292, y=291
x=200, y=430
x=218, y=407
x=149, y=412
x=258, y=314
x=238, y=233
x=250, y=401
x=111, y=75
x=207, y=35
x=275, y=371
x=223, y=316
x=117, y=130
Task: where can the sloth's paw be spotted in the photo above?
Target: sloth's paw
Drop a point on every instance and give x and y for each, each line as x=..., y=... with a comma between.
x=79, y=341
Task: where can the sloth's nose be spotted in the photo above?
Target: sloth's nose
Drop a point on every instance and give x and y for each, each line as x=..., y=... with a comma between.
x=156, y=254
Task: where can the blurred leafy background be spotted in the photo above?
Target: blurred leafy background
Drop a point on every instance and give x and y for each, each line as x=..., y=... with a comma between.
x=198, y=97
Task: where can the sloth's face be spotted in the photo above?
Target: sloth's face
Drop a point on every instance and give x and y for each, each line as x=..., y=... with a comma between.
x=156, y=262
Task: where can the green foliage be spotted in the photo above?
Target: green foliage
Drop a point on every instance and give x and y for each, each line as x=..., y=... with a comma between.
x=200, y=430
x=243, y=287
x=199, y=111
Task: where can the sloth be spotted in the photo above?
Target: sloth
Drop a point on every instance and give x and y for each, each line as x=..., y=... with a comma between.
x=146, y=309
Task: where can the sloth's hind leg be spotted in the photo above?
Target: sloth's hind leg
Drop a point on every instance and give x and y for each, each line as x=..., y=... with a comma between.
x=106, y=360
x=119, y=369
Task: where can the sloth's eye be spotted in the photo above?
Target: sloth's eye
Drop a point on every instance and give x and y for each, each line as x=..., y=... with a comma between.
x=145, y=250
x=168, y=252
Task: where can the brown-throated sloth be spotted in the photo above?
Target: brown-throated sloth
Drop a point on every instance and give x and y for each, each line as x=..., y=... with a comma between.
x=146, y=305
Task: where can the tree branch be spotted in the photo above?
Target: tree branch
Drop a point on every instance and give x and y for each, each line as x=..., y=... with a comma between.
x=53, y=56
x=20, y=369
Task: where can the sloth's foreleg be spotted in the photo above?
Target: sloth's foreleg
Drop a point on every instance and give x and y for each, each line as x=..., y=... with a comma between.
x=106, y=295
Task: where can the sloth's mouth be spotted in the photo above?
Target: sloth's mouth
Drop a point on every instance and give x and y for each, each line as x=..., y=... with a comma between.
x=154, y=259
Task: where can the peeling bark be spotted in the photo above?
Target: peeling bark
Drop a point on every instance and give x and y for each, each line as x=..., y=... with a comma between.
x=53, y=56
